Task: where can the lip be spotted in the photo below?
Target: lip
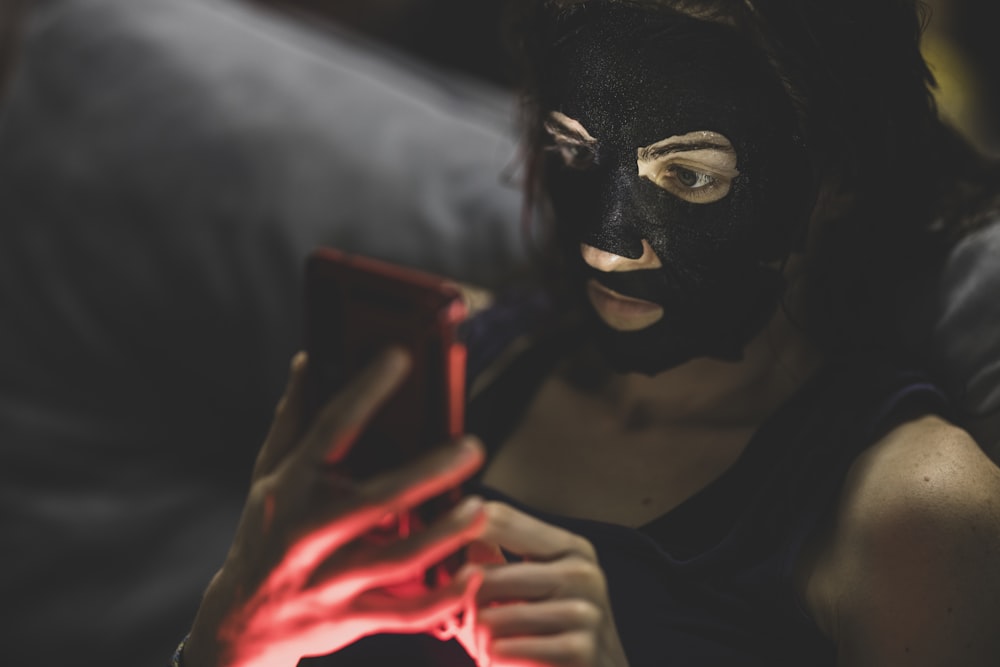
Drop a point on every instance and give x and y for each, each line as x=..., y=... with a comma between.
x=620, y=312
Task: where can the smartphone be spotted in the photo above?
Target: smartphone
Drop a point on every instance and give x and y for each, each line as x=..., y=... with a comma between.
x=356, y=307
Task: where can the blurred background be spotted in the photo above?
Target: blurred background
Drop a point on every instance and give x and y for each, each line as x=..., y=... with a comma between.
x=960, y=42
x=962, y=46
x=164, y=167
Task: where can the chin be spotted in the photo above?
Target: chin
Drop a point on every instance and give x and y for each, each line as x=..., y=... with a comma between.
x=658, y=349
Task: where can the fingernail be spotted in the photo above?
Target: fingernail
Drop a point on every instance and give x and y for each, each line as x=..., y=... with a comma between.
x=463, y=574
x=469, y=507
x=471, y=447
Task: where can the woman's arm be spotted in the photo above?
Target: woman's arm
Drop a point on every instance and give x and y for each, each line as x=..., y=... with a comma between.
x=911, y=572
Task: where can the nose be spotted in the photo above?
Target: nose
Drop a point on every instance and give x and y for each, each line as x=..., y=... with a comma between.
x=602, y=260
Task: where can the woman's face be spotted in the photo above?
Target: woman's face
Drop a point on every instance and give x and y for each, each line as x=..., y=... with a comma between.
x=676, y=175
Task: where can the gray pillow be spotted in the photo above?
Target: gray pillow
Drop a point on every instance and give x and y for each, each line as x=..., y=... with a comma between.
x=164, y=167
x=962, y=321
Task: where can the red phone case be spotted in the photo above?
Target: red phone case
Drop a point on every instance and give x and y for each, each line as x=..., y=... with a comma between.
x=355, y=308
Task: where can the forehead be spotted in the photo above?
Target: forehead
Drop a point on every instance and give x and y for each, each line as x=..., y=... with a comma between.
x=653, y=73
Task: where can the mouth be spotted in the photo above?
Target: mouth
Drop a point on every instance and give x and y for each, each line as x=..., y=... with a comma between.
x=620, y=312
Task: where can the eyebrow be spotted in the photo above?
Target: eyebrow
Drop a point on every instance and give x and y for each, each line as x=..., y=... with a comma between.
x=556, y=124
x=653, y=152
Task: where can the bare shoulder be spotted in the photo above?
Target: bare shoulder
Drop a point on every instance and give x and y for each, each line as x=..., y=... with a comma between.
x=928, y=471
x=910, y=574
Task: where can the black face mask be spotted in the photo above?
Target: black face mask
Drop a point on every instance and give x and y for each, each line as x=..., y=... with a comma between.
x=633, y=78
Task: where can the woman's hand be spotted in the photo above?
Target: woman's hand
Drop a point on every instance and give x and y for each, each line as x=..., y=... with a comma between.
x=300, y=578
x=552, y=609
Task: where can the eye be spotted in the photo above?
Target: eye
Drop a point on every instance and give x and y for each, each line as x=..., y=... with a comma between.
x=698, y=167
x=698, y=178
x=690, y=178
x=692, y=185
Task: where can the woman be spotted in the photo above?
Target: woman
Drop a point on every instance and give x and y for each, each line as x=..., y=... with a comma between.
x=716, y=451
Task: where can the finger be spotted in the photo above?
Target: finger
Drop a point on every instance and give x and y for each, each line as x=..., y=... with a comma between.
x=403, y=561
x=540, y=618
x=572, y=649
x=340, y=421
x=424, y=613
x=335, y=568
x=349, y=513
x=432, y=545
x=526, y=536
x=287, y=420
x=311, y=629
x=528, y=581
x=484, y=553
x=353, y=509
x=436, y=472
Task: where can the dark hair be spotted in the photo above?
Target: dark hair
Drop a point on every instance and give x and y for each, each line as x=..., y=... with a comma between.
x=896, y=185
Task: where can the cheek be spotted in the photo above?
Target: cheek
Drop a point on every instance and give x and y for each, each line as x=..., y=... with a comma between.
x=575, y=200
x=568, y=189
x=682, y=232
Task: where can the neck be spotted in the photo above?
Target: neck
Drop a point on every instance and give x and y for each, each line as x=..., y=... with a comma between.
x=706, y=392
